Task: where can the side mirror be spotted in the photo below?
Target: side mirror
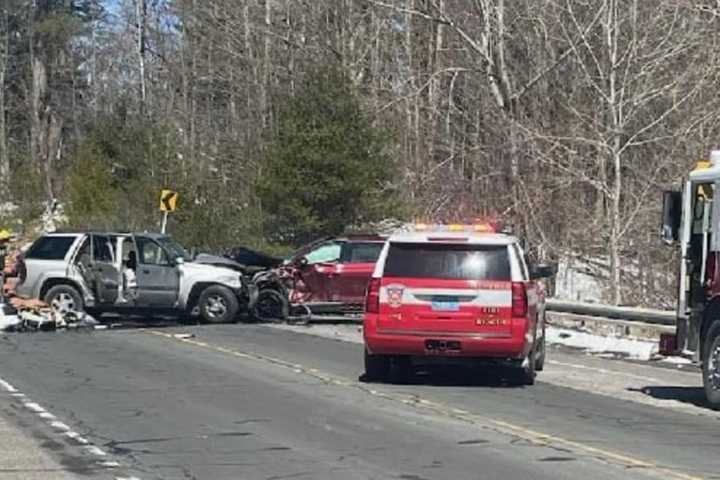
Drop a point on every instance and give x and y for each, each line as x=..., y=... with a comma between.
x=301, y=262
x=179, y=261
x=542, y=271
x=671, y=216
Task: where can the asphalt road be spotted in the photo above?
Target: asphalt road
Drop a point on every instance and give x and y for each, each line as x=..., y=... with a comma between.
x=252, y=402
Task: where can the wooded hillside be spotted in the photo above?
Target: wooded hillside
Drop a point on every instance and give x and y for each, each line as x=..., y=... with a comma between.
x=567, y=117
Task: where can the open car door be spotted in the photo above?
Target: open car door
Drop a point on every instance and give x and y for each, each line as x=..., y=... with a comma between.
x=104, y=272
x=352, y=274
x=319, y=269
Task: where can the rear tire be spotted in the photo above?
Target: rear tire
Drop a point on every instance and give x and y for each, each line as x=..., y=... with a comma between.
x=401, y=370
x=711, y=365
x=540, y=358
x=377, y=367
x=64, y=299
x=527, y=369
x=218, y=304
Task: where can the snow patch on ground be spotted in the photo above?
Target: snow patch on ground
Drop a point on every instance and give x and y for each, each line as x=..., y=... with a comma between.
x=625, y=347
x=679, y=361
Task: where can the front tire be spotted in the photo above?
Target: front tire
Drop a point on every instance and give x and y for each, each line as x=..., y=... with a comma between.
x=711, y=365
x=377, y=367
x=271, y=306
x=64, y=299
x=218, y=304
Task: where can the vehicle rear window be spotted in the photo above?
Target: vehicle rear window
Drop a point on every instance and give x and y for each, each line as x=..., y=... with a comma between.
x=50, y=248
x=361, y=252
x=452, y=262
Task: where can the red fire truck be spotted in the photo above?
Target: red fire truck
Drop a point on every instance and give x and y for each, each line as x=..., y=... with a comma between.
x=690, y=221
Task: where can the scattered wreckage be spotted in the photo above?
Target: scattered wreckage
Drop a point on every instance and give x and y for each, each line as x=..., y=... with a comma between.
x=18, y=315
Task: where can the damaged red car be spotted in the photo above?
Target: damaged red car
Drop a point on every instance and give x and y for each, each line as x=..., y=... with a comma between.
x=326, y=278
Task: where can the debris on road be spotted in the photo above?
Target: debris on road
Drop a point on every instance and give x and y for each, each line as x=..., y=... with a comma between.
x=183, y=336
x=33, y=315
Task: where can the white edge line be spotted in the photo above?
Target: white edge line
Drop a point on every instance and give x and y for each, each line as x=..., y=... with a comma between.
x=95, y=450
x=7, y=387
x=59, y=426
x=34, y=407
x=76, y=436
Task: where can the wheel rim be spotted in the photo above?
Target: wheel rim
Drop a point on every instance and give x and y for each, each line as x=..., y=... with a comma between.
x=216, y=306
x=268, y=307
x=63, y=303
x=713, y=372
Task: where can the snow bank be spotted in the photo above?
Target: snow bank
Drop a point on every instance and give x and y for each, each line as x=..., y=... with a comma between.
x=625, y=347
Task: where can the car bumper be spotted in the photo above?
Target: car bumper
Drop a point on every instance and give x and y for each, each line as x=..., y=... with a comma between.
x=456, y=344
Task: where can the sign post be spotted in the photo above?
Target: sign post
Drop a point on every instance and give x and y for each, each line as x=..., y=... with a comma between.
x=168, y=204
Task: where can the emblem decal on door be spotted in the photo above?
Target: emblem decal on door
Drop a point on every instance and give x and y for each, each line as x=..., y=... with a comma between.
x=395, y=294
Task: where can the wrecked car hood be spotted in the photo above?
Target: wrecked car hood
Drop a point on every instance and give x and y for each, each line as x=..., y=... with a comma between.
x=251, y=258
x=217, y=261
x=198, y=272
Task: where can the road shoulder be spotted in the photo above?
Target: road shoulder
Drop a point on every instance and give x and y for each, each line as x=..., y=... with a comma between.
x=23, y=457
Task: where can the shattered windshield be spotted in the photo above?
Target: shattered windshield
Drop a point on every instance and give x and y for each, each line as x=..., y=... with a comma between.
x=174, y=249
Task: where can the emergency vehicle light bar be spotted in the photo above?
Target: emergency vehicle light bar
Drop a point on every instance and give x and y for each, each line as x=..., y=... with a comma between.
x=488, y=227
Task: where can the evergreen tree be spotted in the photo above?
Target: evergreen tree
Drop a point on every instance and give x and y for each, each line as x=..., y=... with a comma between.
x=327, y=167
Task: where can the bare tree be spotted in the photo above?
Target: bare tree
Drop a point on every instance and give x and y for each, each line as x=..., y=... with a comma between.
x=141, y=47
x=4, y=59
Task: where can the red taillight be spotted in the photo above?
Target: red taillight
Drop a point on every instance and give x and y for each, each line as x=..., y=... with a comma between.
x=372, y=297
x=519, y=300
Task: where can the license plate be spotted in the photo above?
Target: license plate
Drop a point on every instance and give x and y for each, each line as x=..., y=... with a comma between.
x=446, y=305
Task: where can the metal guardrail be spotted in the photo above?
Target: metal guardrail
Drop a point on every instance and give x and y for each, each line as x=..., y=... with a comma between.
x=631, y=314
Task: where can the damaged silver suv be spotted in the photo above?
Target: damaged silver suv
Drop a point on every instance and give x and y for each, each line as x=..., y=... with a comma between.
x=102, y=271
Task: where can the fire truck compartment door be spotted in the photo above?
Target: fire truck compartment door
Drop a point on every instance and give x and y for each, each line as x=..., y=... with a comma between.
x=715, y=222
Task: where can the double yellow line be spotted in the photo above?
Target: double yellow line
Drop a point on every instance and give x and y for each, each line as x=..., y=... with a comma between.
x=447, y=411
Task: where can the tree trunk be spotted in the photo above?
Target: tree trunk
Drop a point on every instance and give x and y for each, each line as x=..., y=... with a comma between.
x=266, y=67
x=434, y=48
x=37, y=130
x=141, y=22
x=46, y=128
x=4, y=155
x=617, y=121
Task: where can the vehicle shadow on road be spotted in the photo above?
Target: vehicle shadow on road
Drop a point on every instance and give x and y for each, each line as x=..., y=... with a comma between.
x=691, y=395
x=438, y=376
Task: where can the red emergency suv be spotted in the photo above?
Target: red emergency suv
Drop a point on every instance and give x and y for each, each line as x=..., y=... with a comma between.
x=454, y=291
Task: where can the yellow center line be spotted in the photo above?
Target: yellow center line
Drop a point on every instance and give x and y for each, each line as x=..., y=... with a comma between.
x=444, y=410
